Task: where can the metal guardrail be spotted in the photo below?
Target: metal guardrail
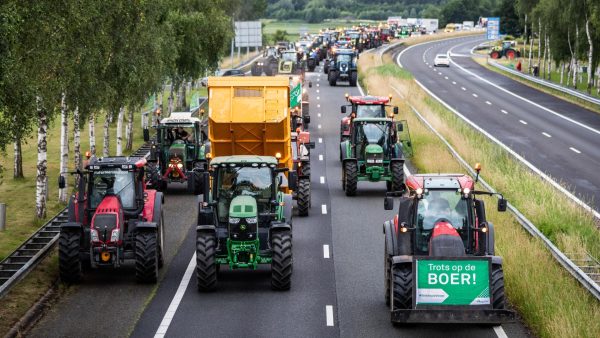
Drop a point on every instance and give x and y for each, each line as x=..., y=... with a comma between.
x=548, y=84
x=29, y=254
x=589, y=279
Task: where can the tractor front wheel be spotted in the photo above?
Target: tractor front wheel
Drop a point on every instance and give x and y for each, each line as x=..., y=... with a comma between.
x=146, y=257
x=332, y=77
x=498, y=287
x=206, y=266
x=353, y=79
x=510, y=54
x=350, y=178
x=69, y=263
x=402, y=278
x=495, y=55
x=281, y=263
x=303, y=197
x=397, y=176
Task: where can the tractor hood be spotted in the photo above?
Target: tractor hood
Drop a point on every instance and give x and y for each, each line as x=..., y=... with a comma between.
x=243, y=207
x=286, y=67
x=373, y=149
x=177, y=150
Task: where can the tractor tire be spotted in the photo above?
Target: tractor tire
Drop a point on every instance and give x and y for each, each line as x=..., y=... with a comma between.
x=510, y=54
x=402, y=279
x=495, y=55
x=206, y=266
x=69, y=263
x=397, y=176
x=350, y=178
x=255, y=72
x=332, y=78
x=353, y=79
x=146, y=257
x=498, y=299
x=303, y=197
x=306, y=169
x=281, y=263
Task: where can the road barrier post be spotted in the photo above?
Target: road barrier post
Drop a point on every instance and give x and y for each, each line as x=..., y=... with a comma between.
x=2, y=216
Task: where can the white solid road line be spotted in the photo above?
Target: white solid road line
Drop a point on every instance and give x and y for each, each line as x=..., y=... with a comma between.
x=500, y=332
x=329, y=314
x=522, y=121
x=546, y=134
x=575, y=150
x=504, y=111
x=320, y=140
x=488, y=103
x=324, y=209
x=320, y=157
x=325, y=251
x=168, y=317
x=322, y=179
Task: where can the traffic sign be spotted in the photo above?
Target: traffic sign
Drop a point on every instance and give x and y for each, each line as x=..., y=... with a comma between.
x=493, y=28
x=452, y=281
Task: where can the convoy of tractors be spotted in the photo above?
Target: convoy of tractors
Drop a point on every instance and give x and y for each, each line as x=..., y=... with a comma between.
x=250, y=159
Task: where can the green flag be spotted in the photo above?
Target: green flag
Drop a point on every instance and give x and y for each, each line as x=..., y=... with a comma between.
x=296, y=96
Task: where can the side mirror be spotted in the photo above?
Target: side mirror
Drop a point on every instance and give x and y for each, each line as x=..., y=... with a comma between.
x=61, y=182
x=146, y=135
x=293, y=181
x=388, y=203
x=396, y=110
x=309, y=84
x=399, y=127
x=343, y=109
x=502, y=204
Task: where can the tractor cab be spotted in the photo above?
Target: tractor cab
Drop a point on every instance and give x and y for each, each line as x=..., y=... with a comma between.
x=288, y=63
x=178, y=152
x=363, y=106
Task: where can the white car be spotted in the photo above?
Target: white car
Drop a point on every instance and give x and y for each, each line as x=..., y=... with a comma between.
x=441, y=60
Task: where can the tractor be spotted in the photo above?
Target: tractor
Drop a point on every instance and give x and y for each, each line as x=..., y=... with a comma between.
x=440, y=265
x=268, y=63
x=245, y=220
x=362, y=106
x=505, y=50
x=178, y=154
x=290, y=64
x=342, y=67
x=373, y=153
x=112, y=218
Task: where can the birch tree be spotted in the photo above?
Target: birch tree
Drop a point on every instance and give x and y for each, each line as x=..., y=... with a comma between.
x=64, y=148
x=41, y=185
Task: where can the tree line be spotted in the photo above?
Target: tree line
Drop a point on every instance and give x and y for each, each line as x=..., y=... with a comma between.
x=78, y=60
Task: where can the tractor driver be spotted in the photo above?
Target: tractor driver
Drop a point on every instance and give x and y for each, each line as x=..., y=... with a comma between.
x=182, y=134
x=440, y=208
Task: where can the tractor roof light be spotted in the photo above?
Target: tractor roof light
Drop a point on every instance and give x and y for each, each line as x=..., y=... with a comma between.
x=278, y=156
x=419, y=192
x=390, y=96
x=88, y=154
x=208, y=155
x=466, y=192
x=477, y=166
x=347, y=96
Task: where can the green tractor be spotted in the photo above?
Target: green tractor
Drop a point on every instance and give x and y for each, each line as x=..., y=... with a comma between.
x=178, y=154
x=245, y=219
x=505, y=50
x=373, y=153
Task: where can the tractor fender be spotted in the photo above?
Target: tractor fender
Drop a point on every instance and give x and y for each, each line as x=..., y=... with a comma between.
x=396, y=160
x=288, y=205
x=490, y=239
x=70, y=226
x=146, y=226
x=345, y=150
x=205, y=215
x=398, y=150
x=402, y=259
x=496, y=260
x=152, y=206
x=159, y=200
x=206, y=228
x=388, y=231
x=72, y=211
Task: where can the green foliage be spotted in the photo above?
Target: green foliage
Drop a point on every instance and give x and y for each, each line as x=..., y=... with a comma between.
x=280, y=35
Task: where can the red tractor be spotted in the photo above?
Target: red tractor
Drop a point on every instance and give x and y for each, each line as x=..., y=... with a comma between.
x=112, y=218
x=363, y=106
x=440, y=263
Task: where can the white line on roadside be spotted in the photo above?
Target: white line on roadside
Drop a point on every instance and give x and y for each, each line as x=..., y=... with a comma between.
x=325, y=251
x=575, y=150
x=324, y=209
x=522, y=121
x=322, y=179
x=320, y=140
x=320, y=157
x=329, y=314
x=546, y=134
x=488, y=103
x=504, y=111
x=475, y=95
x=168, y=317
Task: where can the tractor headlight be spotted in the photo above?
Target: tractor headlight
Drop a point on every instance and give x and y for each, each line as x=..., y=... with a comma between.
x=114, y=235
x=94, y=235
x=234, y=220
x=179, y=165
x=251, y=220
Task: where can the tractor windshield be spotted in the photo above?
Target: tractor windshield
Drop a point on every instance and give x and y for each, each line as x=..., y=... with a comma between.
x=235, y=181
x=289, y=56
x=112, y=182
x=372, y=133
x=173, y=133
x=440, y=204
x=370, y=111
x=344, y=58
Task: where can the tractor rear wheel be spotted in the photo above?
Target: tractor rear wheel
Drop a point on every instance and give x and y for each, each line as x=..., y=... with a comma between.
x=350, y=178
x=69, y=263
x=353, y=79
x=281, y=263
x=403, y=284
x=332, y=78
x=397, y=176
x=146, y=257
x=498, y=287
x=206, y=266
x=305, y=168
x=510, y=54
x=303, y=197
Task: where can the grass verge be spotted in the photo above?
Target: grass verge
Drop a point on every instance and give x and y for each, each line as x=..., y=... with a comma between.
x=551, y=301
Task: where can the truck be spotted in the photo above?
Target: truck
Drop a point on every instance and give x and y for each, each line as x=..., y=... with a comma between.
x=245, y=218
x=468, y=25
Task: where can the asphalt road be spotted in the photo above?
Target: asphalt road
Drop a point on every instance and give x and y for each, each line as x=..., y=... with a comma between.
x=558, y=137
x=337, y=286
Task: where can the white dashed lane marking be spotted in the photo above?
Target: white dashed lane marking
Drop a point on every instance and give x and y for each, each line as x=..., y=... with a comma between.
x=320, y=140
x=319, y=126
x=475, y=95
x=322, y=179
x=324, y=209
x=575, y=150
x=329, y=314
x=463, y=88
x=325, y=251
x=453, y=82
x=320, y=157
x=522, y=121
x=488, y=103
x=546, y=134
x=504, y=111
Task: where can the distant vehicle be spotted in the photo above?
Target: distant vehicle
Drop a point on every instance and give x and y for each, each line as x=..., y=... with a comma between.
x=441, y=60
x=468, y=25
x=451, y=27
x=223, y=72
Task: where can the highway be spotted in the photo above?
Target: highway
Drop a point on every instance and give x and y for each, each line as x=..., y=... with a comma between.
x=337, y=285
x=558, y=137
